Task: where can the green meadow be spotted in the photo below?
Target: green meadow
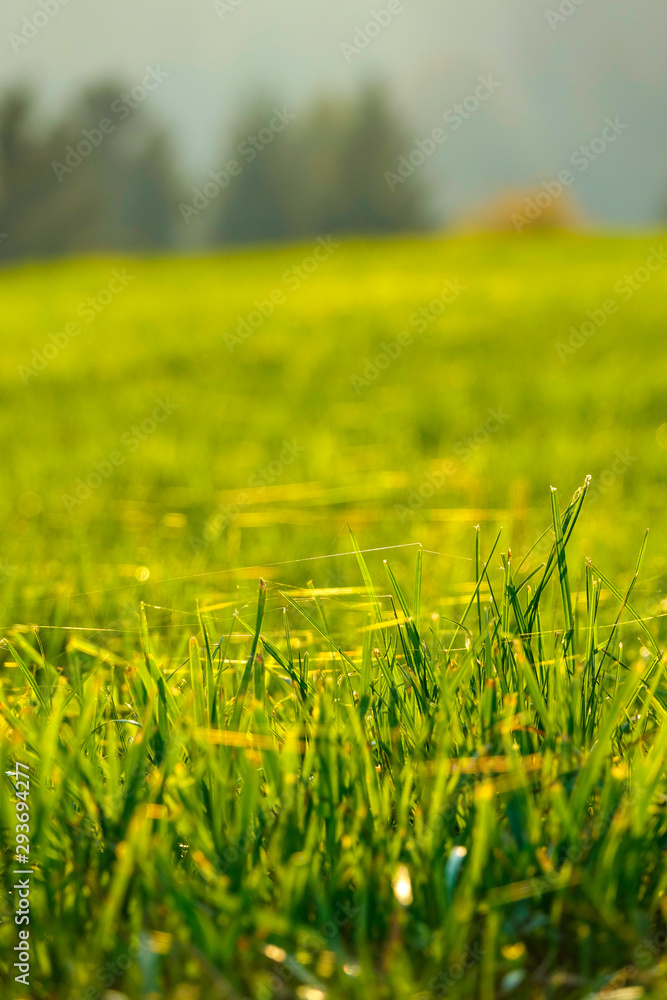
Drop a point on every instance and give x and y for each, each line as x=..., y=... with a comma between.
x=366, y=439
x=425, y=756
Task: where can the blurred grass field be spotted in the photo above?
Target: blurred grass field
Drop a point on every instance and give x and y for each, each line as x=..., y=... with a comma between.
x=206, y=492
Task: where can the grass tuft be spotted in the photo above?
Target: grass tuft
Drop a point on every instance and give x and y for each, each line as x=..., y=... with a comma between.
x=352, y=798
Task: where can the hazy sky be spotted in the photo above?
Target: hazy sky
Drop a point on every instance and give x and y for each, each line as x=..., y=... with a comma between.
x=559, y=81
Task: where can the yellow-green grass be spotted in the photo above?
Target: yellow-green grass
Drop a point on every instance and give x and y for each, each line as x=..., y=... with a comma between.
x=347, y=799
x=361, y=449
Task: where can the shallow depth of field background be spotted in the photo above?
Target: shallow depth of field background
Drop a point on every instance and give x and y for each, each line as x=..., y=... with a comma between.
x=205, y=493
x=198, y=504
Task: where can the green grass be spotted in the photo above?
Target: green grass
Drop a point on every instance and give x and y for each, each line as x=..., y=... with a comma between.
x=494, y=347
x=485, y=743
x=345, y=795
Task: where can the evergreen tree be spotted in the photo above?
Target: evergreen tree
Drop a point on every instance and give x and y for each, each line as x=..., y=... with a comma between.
x=325, y=173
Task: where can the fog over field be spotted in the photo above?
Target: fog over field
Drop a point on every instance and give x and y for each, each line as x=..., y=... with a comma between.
x=563, y=67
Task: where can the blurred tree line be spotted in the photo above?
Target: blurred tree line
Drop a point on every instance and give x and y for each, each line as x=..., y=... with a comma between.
x=106, y=177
